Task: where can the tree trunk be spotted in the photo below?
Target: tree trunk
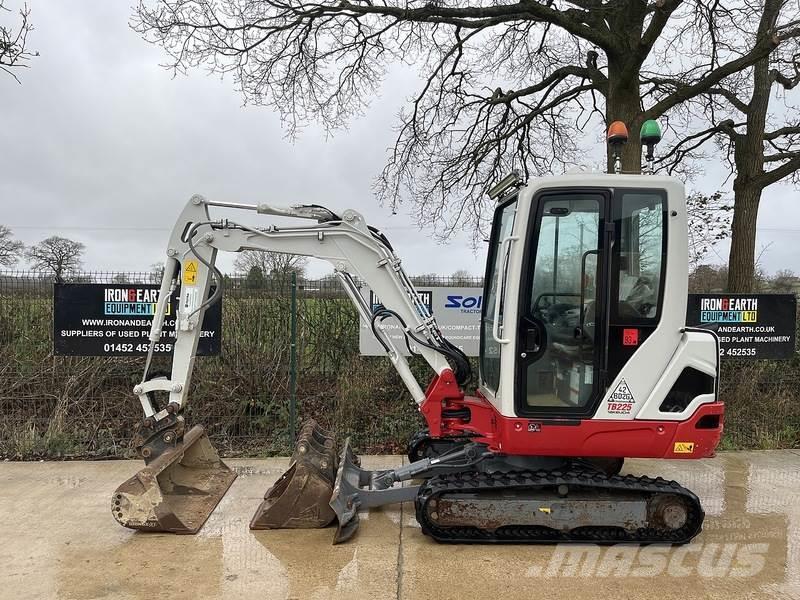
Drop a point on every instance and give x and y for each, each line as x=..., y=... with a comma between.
x=748, y=154
x=623, y=104
x=741, y=261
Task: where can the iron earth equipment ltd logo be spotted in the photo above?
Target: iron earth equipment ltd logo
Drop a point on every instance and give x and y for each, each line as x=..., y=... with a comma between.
x=728, y=310
x=120, y=302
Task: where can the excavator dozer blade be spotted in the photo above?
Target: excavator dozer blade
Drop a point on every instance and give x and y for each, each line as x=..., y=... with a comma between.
x=345, y=500
x=360, y=489
x=177, y=491
x=300, y=499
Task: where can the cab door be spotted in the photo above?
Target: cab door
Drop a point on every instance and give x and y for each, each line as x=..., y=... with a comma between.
x=563, y=322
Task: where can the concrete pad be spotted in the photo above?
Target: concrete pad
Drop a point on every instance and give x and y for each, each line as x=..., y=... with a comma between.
x=749, y=548
x=59, y=540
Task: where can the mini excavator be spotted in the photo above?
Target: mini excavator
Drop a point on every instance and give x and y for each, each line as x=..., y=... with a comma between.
x=585, y=360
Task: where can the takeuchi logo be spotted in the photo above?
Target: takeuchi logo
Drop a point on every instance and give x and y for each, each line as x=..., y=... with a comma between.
x=728, y=310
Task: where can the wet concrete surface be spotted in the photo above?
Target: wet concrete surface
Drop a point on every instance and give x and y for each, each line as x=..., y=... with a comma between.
x=59, y=540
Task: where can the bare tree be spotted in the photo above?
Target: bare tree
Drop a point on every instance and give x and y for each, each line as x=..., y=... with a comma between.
x=784, y=281
x=709, y=223
x=504, y=85
x=708, y=278
x=10, y=249
x=57, y=255
x=426, y=279
x=462, y=277
x=122, y=278
x=760, y=144
x=14, y=53
x=271, y=264
x=156, y=272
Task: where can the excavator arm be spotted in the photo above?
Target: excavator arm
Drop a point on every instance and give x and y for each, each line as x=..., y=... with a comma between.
x=356, y=251
x=183, y=468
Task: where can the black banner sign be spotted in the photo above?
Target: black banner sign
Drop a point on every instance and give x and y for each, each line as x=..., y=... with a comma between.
x=748, y=325
x=97, y=319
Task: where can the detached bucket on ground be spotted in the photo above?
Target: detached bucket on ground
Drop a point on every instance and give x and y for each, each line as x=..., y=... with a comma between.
x=177, y=491
x=300, y=499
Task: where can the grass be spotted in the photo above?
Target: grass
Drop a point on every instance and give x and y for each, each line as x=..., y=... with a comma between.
x=27, y=442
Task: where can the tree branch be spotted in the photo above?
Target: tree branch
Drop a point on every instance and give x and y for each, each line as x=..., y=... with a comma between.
x=731, y=97
x=13, y=43
x=778, y=173
x=692, y=142
x=556, y=76
x=782, y=131
x=685, y=91
x=662, y=12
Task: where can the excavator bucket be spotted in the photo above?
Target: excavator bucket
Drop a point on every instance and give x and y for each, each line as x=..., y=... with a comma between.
x=177, y=491
x=300, y=499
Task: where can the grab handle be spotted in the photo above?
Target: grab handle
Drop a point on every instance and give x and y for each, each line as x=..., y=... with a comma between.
x=506, y=243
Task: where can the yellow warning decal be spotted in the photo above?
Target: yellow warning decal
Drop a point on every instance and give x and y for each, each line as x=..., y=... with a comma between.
x=683, y=448
x=545, y=510
x=190, y=272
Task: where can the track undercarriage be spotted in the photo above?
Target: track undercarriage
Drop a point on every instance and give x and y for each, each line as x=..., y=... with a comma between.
x=468, y=494
x=556, y=506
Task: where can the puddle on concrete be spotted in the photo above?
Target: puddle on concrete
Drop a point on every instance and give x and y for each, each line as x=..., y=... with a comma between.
x=313, y=568
x=750, y=546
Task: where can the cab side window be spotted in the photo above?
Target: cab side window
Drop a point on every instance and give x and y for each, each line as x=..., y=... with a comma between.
x=640, y=256
x=490, y=348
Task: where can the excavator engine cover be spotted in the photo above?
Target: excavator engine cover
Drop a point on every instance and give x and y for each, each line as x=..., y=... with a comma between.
x=177, y=490
x=300, y=498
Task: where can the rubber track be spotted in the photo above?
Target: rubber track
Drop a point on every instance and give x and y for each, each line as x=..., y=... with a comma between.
x=472, y=481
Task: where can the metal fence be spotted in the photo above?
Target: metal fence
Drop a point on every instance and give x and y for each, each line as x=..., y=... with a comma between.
x=290, y=351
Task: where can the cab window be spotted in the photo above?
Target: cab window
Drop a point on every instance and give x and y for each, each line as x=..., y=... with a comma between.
x=490, y=349
x=640, y=256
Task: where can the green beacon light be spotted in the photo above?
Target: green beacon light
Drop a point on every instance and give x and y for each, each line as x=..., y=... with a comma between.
x=650, y=135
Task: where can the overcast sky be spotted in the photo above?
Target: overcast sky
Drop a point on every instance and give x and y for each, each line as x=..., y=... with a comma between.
x=100, y=144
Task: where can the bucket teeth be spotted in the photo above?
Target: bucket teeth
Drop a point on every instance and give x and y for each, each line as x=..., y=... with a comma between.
x=177, y=491
x=300, y=499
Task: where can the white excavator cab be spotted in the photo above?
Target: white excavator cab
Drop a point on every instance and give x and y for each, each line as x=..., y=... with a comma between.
x=576, y=284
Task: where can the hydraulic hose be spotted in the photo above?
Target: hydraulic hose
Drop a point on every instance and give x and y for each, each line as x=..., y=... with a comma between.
x=211, y=300
x=459, y=361
x=217, y=273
